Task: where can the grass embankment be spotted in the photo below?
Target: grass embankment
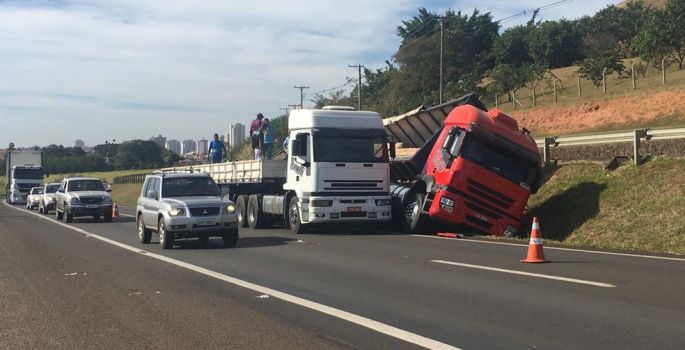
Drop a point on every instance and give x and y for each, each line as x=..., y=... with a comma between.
x=634, y=208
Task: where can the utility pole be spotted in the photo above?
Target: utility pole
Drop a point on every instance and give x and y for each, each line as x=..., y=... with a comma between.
x=442, y=31
x=286, y=110
x=294, y=106
x=301, y=94
x=359, y=86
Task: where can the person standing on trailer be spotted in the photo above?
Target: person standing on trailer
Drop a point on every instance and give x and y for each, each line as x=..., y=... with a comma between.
x=255, y=136
x=267, y=133
x=217, y=150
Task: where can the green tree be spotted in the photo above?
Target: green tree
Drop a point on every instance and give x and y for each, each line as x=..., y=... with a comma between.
x=663, y=35
x=613, y=27
x=592, y=67
x=555, y=44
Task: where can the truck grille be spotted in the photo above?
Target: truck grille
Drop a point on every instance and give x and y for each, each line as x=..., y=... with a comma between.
x=489, y=194
x=90, y=200
x=209, y=211
x=353, y=185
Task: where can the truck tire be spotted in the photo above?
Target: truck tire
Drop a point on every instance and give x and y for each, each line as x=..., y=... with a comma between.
x=230, y=238
x=256, y=218
x=70, y=217
x=415, y=221
x=166, y=238
x=144, y=233
x=241, y=208
x=294, y=220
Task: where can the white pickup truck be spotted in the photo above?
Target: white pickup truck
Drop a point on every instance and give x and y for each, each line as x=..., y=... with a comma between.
x=336, y=171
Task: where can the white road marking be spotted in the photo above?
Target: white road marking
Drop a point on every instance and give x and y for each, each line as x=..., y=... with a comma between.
x=516, y=272
x=559, y=248
x=341, y=314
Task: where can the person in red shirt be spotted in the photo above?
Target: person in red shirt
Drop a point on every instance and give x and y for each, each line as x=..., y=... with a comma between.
x=256, y=137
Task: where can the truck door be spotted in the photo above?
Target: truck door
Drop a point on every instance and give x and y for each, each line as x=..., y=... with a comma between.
x=299, y=169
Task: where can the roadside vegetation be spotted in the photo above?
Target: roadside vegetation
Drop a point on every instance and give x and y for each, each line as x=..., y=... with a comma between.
x=631, y=208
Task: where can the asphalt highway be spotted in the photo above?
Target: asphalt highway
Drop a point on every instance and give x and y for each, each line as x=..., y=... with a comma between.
x=93, y=285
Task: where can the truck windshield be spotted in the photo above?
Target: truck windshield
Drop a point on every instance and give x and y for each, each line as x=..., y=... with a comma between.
x=85, y=185
x=348, y=149
x=51, y=188
x=28, y=174
x=499, y=160
x=190, y=187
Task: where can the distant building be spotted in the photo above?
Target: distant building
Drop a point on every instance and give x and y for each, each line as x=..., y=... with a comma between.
x=160, y=140
x=174, y=146
x=202, y=147
x=188, y=146
x=237, y=134
x=80, y=144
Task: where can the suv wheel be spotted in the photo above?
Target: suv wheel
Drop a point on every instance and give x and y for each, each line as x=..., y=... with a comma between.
x=108, y=217
x=144, y=233
x=296, y=225
x=166, y=238
x=70, y=217
x=230, y=237
x=40, y=208
x=58, y=214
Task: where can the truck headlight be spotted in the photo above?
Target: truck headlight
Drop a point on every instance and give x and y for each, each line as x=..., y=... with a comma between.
x=321, y=203
x=177, y=211
x=230, y=209
x=382, y=202
x=75, y=201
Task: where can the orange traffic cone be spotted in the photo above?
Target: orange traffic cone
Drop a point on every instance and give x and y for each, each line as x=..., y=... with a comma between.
x=535, y=252
x=115, y=210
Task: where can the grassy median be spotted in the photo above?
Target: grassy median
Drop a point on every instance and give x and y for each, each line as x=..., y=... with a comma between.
x=633, y=208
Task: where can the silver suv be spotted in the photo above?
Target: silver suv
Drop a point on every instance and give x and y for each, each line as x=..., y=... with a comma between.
x=83, y=196
x=184, y=205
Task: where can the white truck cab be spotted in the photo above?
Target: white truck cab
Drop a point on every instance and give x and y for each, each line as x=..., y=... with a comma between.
x=338, y=167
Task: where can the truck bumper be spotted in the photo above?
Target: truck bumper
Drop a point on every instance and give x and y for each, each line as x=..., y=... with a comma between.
x=347, y=209
x=452, y=209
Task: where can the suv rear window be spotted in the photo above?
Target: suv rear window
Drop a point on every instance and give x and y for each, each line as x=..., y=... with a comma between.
x=190, y=187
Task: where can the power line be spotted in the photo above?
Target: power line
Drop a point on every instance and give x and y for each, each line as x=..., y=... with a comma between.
x=359, y=85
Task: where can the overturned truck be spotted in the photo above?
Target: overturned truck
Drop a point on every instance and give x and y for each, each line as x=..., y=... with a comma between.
x=472, y=168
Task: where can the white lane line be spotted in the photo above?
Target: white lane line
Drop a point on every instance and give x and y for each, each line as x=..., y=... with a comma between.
x=344, y=315
x=523, y=273
x=557, y=248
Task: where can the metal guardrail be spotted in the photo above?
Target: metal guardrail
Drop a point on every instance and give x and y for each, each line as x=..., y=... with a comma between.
x=634, y=136
x=130, y=179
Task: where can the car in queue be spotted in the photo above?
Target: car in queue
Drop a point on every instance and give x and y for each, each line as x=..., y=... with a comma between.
x=184, y=205
x=34, y=197
x=81, y=197
x=49, y=198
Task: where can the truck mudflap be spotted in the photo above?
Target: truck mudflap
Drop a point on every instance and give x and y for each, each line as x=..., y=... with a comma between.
x=450, y=208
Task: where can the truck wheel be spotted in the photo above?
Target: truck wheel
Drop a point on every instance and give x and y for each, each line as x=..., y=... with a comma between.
x=96, y=217
x=256, y=218
x=144, y=233
x=230, y=238
x=241, y=208
x=295, y=223
x=414, y=220
x=166, y=238
x=70, y=217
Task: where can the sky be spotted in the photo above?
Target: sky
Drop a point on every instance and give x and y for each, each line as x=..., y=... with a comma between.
x=130, y=69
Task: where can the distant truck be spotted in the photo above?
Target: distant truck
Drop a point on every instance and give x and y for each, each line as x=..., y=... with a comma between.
x=23, y=171
x=336, y=171
x=477, y=170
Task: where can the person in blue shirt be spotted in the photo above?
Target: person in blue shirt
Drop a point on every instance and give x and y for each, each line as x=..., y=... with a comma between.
x=217, y=150
x=267, y=131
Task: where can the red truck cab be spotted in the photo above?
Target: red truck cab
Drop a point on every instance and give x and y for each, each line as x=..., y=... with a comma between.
x=479, y=173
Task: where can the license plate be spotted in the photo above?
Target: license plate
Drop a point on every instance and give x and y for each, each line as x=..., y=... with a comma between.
x=354, y=209
x=91, y=206
x=206, y=222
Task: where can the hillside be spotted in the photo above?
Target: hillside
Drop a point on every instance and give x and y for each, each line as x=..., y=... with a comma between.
x=652, y=3
x=634, y=208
